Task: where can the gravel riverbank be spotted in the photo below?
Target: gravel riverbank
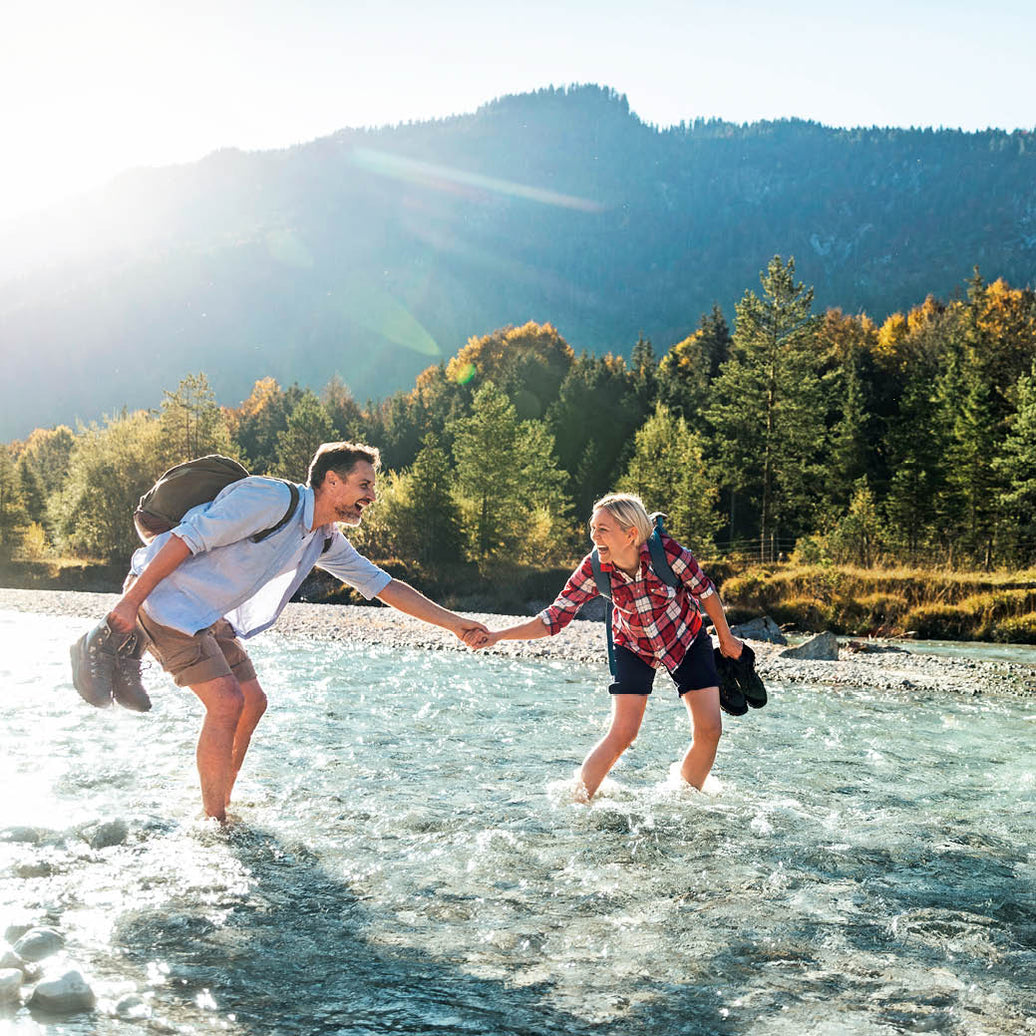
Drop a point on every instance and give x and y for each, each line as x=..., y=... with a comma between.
x=878, y=666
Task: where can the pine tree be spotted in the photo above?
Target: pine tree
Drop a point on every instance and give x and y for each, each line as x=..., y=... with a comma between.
x=668, y=472
x=309, y=426
x=1016, y=468
x=486, y=453
x=193, y=423
x=767, y=411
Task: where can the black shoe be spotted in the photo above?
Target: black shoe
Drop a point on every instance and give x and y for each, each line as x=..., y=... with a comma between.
x=93, y=665
x=731, y=699
x=127, y=689
x=748, y=680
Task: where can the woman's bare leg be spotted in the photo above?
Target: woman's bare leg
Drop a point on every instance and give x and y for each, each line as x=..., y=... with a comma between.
x=627, y=713
x=706, y=727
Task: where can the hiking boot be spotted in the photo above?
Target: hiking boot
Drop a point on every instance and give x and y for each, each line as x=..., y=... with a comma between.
x=93, y=665
x=127, y=689
x=748, y=680
x=731, y=700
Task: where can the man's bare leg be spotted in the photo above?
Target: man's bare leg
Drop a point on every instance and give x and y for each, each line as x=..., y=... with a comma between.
x=224, y=704
x=706, y=727
x=627, y=713
x=251, y=713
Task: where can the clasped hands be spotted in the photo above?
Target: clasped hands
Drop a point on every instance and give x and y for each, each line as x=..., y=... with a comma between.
x=478, y=636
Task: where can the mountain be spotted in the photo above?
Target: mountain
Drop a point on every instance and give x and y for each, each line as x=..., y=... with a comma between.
x=374, y=253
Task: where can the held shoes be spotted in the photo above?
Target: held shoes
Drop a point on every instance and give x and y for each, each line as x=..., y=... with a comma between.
x=739, y=684
x=106, y=668
x=127, y=689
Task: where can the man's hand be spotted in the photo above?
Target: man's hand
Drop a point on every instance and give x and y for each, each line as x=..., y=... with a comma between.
x=479, y=637
x=123, y=617
x=472, y=633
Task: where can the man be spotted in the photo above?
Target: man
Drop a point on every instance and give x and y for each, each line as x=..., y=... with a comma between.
x=193, y=591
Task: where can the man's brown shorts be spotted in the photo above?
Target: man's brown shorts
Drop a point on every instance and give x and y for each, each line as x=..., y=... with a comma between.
x=208, y=655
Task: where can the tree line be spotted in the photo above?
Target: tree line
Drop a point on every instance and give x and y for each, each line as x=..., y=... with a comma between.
x=820, y=436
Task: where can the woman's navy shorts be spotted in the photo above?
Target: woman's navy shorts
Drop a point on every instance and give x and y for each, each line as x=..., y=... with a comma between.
x=698, y=669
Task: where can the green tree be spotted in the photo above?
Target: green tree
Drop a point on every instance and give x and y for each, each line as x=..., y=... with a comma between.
x=13, y=518
x=668, y=472
x=593, y=421
x=416, y=516
x=110, y=468
x=31, y=490
x=486, y=453
x=689, y=367
x=767, y=410
x=1016, y=468
x=193, y=423
x=257, y=422
x=508, y=485
x=859, y=535
x=309, y=425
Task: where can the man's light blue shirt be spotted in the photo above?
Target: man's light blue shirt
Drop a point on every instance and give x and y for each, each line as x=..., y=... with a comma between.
x=229, y=576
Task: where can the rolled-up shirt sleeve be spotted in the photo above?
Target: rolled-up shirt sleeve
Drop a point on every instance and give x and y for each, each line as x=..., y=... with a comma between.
x=345, y=562
x=684, y=564
x=580, y=588
x=239, y=511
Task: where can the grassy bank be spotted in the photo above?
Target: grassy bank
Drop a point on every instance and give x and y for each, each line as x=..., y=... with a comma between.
x=936, y=604
x=933, y=604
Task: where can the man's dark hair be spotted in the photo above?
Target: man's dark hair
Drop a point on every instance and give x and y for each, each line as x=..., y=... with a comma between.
x=341, y=458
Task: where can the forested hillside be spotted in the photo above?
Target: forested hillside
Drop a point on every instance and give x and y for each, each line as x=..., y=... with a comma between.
x=819, y=436
x=371, y=254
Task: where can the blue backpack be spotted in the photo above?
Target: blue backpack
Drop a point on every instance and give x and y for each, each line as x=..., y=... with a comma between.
x=659, y=563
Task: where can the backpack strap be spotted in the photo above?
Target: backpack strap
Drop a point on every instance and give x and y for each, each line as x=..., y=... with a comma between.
x=294, y=491
x=659, y=560
x=604, y=588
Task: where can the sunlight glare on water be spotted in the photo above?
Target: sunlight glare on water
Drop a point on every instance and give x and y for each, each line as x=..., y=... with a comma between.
x=406, y=855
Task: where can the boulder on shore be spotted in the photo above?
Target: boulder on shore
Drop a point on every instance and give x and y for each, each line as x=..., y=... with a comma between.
x=763, y=629
x=67, y=994
x=821, y=648
x=10, y=984
x=38, y=943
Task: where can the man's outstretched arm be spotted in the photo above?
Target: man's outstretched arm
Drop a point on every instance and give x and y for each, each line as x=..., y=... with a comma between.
x=403, y=597
x=123, y=617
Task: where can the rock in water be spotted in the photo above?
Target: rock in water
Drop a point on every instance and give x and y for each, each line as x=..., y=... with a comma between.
x=10, y=984
x=763, y=628
x=822, y=648
x=112, y=832
x=38, y=943
x=66, y=994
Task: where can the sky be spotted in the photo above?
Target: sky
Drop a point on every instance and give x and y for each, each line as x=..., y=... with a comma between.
x=88, y=90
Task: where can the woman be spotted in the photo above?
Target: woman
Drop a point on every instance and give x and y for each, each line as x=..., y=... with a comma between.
x=652, y=623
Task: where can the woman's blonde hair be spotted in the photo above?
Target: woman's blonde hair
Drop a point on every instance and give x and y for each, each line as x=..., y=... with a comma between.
x=629, y=511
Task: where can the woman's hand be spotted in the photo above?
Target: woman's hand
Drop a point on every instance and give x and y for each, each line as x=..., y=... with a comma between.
x=478, y=639
x=730, y=646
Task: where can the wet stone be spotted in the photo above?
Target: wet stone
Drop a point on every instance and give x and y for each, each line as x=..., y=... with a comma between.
x=111, y=832
x=10, y=984
x=39, y=943
x=132, y=1007
x=67, y=994
x=10, y=959
x=13, y=932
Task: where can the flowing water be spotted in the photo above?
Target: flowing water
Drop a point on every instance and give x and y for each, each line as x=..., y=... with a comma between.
x=406, y=856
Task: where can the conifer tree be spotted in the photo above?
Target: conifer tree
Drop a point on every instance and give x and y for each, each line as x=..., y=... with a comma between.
x=13, y=517
x=767, y=411
x=668, y=472
x=1016, y=467
x=193, y=423
x=308, y=427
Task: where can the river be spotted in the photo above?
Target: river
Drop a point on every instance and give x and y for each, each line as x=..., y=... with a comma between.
x=405, y=856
